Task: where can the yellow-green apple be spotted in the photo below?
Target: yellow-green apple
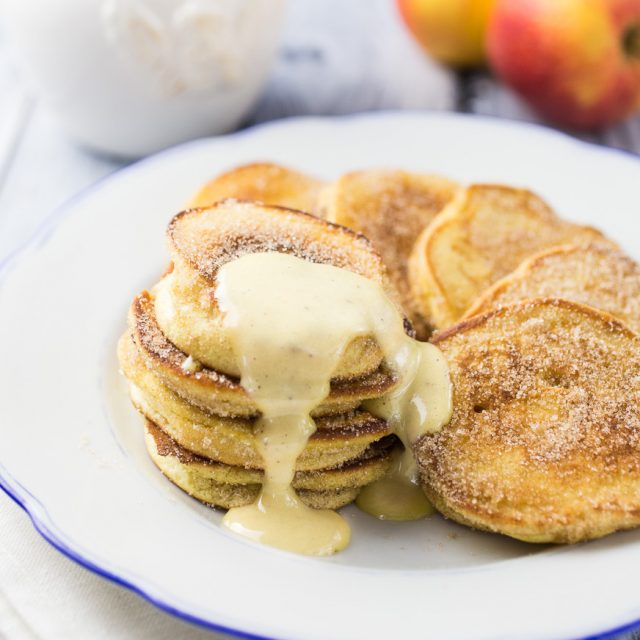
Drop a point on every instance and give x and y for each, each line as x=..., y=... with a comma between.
x=576, y=61
x=452, y=31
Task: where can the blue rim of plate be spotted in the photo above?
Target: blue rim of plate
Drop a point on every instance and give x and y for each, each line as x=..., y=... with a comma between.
x=22, y=497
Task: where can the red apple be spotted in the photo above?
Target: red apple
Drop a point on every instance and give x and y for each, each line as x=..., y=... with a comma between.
x=576, y=61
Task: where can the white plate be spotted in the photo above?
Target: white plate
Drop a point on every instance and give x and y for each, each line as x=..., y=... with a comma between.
x=72, y=452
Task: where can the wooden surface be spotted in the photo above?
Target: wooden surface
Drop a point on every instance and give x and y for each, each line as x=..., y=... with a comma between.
x=336, y=57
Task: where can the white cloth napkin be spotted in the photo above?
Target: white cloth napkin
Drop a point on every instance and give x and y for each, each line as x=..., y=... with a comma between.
x=46, y=596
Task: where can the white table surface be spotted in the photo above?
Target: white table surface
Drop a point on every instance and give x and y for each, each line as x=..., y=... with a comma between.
x=336, y=58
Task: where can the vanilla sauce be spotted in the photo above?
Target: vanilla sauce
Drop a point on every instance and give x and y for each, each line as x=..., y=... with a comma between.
x=290, y=321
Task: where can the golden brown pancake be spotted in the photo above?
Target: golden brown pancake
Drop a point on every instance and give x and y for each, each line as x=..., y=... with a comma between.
x=221, y=394
x=481, y=236
x=598, y=275
x=203, y=240
x=262, y=182
x=544, y=441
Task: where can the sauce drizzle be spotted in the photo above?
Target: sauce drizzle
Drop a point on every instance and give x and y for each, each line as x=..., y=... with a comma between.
x=290, y=321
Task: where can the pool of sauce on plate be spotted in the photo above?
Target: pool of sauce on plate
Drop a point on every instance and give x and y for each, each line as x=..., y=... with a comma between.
x=290, y=321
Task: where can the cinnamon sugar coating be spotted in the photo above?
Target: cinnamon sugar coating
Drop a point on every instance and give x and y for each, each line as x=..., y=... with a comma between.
x=599, y=275
x=544, y=441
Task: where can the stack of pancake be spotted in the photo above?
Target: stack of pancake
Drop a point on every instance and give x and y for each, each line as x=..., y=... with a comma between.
x=184, y=378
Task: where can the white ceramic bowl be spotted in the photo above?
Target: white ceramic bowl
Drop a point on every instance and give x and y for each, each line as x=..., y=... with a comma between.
x=129, y=77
